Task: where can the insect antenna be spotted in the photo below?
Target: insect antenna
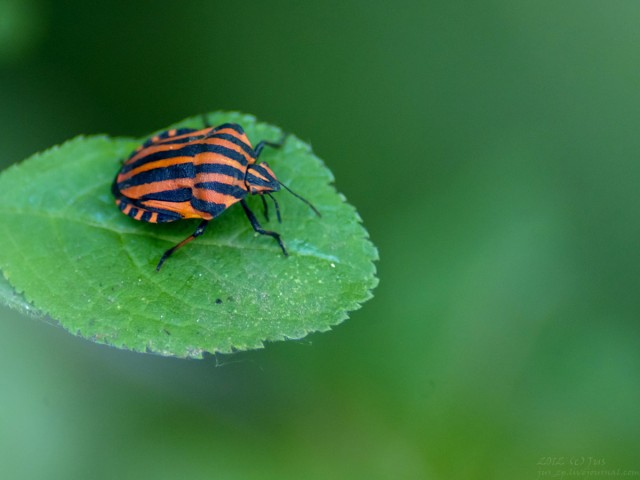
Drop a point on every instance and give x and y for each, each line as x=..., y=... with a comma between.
x=301, y=198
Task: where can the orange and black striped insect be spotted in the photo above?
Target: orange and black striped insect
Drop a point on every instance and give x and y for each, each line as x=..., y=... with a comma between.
x=190, y=173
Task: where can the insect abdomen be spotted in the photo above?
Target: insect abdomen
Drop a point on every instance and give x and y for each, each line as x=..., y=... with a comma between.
x=144, y=214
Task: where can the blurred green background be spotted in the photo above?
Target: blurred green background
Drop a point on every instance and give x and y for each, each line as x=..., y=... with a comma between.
x=492, y=151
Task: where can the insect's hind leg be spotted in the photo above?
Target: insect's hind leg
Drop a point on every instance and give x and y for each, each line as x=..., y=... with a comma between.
x=256, y=226
x=199, y=231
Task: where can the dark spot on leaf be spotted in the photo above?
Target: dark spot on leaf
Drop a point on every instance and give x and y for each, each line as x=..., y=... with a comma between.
x=218, y=301
x=166, y=331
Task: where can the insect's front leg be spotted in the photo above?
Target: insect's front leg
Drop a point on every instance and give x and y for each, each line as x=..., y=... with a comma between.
x=256, y=226
x=264, y=143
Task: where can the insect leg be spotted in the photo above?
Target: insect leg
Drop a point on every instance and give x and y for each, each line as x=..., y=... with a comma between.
x=265, y=143
x=199, y=231
x=256, y=226
x=275, y=202
x=266, y=208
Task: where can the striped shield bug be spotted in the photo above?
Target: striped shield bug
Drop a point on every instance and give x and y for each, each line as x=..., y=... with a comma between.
x=189, y=173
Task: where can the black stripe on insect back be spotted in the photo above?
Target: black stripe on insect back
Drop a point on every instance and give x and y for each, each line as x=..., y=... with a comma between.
x=224, y=151
x=187, y=151
x=181, y=170
x=221, y=169
x=214, y=209
x=223, y=188
x=176, y=195
x=236, y=141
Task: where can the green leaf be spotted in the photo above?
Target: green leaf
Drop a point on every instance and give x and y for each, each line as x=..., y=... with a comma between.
x=69, y=253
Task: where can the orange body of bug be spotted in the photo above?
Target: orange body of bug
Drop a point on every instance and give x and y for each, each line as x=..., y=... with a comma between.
x=189, y=173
